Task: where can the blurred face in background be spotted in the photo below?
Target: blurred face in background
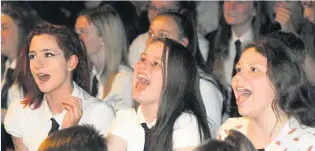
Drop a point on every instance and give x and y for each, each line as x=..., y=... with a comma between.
x=292, y=8
x=9, y=36
x=238, y=12
x=309, y=10
x=165, y=27
x=93, y=42
x=160, y=6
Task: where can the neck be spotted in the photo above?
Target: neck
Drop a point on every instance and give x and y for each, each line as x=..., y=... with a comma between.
x=268, y=124
x=98, y=59
x=55, y=98
x=239, y=30
x=149, y=112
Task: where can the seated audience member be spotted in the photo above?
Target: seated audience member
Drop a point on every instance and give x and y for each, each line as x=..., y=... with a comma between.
x=17, y=21
x=274, y=96
x=240, y=22
x=76, y=138
x=235, y=141
x=180, y=27
x=104, y=36
x=285, y=15
x=155, y=8
x=171, y=114
x=55, y=65
x=307, y=35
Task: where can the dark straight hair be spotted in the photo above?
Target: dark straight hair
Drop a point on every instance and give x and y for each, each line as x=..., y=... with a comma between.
x=185, y=23
x=71, y=44
x=180, y=94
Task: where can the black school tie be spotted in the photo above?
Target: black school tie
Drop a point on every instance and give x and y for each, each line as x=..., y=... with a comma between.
x=94, y=86
x=234, y=111
x=147, y=136
x=237, y=55
x=54, y=126
x=4, y=91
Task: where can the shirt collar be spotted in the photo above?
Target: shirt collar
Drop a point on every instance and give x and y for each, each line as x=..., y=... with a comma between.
x=10, y=64
x=59, y=117
x=246, y=37
x=98, y=74
x=140, y=118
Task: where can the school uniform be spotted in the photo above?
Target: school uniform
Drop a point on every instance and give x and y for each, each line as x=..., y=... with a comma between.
x=225, y=73
x=10, y=92
x=213, y=101
x=120, y=94
x=33, y=125
x=127, y=125
x=14, y=92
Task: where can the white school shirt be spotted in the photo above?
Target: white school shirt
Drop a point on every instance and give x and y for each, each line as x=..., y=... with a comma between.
x=120, y=96
x=127, y=125
x=33, y=125
x=293, y=137
x=15, y=93
x=139, y=44
x=247, y=37
x=213, y=102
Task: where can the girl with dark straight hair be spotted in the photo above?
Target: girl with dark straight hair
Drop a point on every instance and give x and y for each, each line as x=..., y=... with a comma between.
x=171, y=114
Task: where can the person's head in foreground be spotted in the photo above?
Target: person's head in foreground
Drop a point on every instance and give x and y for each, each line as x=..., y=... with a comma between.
x=76, y=138
x=235, y=141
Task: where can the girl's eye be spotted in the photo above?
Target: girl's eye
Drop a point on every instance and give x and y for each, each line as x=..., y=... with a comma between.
x=162, y=36
x=49, y=54
x=151, y=34
x=253, y=69
x=238, y=69
x=31, y=56
x=142, y=59
x=154, y=64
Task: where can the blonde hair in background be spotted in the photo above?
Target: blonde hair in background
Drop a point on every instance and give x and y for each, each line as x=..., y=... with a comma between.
x=110, y=28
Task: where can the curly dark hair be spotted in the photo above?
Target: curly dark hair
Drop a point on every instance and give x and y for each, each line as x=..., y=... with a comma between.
x=285, y=56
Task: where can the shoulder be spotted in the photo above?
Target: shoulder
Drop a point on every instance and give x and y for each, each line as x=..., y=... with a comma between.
x=238, y=124
x=19, y=107
x=16, y=117
x=93, y=106
x=185, y=118
x=303, y=136
x=307, y=141
x=186, y=131
x=142, y=37
x=124, y=72
x=206, y=82
x=208, y=88
x=125, y=124
x=125, y=117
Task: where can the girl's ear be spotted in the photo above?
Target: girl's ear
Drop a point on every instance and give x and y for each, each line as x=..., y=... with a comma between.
x=184, y=41
x=72, y=62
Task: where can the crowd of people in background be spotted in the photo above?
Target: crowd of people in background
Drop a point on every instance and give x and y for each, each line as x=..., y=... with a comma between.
x=158, y=76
